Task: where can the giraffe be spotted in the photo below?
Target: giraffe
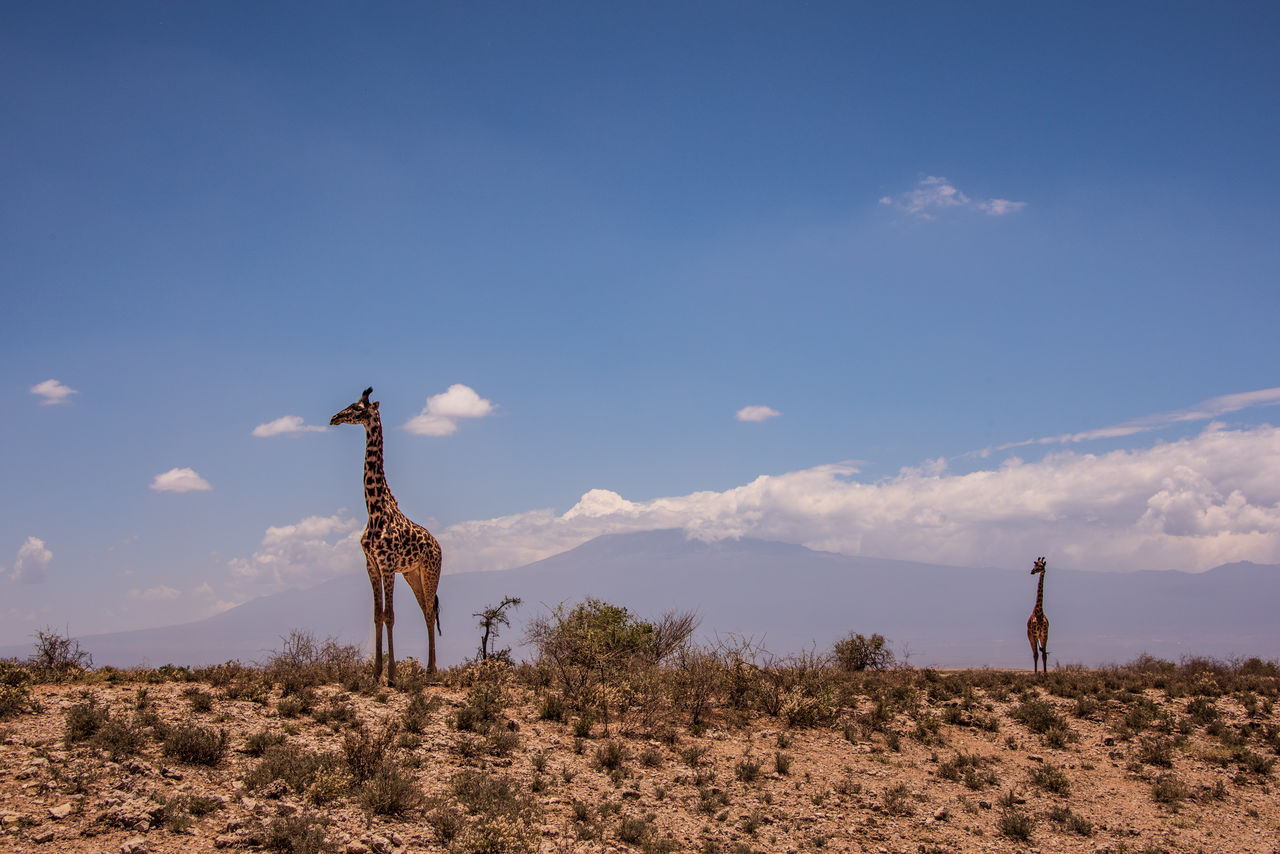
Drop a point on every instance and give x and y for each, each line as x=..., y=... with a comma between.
x=1038, y=624
x=392, y=544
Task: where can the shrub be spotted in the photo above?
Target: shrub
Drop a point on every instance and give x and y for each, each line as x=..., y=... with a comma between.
x=57, y=657
x=1016, y=825
x=119, y=738
x=200, y=701
x=15, y=690
x=610, y=756
x=589, y=648
x=418, y=712
x=896, y=800
x=300, y=833
x=856, y=653
x=83, y=719
x=304, y=662
x=366, y=752
x=259, y=742
x=782, y=763
x=389, y=790
x=1052, y=779
x=1169, y=790
x=295, y=765
x=1037, y=715
x=747, y=769
x=195, y=744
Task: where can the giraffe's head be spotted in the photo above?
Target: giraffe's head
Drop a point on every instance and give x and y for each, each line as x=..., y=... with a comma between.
x=1038, y=567
x=363, y=411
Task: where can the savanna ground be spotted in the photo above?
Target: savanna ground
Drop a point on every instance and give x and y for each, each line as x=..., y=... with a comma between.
x=623, y=736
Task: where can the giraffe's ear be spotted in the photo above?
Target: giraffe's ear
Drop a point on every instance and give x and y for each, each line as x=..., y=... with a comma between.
x=374, y=404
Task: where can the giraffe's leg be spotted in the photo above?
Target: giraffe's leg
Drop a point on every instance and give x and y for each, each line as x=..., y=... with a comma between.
x=389, y=617
x=418, y=584
x=375, y=578
x=1035, y=650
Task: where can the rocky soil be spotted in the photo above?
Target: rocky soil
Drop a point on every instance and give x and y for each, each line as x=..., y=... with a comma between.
x=965, y=773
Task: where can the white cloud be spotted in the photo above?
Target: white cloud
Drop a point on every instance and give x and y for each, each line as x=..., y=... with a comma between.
x=442, y=412
x=29, y=566
x=1000, y=207
x=53, y=392
x=180, y=480
x=757, y=413
x=1203, y=411
x=161, y=593
x=1190, y=504
x=313, y=550
x=287, y=425
x=934, y=194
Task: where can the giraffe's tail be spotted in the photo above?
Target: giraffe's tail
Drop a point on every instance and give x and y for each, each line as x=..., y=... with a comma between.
x=439, y=630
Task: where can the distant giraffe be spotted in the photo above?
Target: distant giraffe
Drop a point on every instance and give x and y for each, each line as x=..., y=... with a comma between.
x=392, y=544
x=1038, y=624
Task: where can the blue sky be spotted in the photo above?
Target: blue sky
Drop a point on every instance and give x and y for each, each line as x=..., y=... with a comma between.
x=915, y=231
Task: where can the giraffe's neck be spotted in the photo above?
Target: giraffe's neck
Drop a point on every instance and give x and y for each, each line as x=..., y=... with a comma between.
x=377, y=496
x=1040, y=596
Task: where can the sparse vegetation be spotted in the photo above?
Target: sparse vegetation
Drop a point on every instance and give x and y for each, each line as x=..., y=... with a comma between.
x=781, y=753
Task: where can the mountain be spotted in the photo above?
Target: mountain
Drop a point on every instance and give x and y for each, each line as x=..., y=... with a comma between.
x=788, y=598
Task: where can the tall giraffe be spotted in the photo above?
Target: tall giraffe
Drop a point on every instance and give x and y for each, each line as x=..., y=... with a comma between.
x=1038, y=624
x=392, y=544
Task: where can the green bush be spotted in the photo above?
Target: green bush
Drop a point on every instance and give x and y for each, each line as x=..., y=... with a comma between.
x=15, y=689
x=389, y=790
x=83, y=719
x=195, y=744
x=856, y=653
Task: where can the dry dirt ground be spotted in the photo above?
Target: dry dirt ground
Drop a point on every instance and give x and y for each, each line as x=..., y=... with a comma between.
x=957, y=774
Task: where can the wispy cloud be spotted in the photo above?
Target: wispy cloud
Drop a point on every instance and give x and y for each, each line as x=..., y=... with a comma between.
x=160, y=593
x=287, y=425
x=443, y=411
x=32, y=560
x=180, y=480
x=933, y=194
x=1189, y=504
x=53, y=392
x=1203, y=411
x=757, y=413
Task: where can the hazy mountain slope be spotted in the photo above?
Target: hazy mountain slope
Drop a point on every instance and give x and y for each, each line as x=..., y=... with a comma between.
x=786, y=596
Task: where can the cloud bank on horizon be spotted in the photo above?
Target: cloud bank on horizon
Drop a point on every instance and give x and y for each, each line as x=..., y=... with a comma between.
x=1190, y=504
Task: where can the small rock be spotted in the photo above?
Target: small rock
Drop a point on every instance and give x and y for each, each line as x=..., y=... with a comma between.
x=379, y=844
x=61, y=811
x=984, y=805
x=43, y=837
x=171, y=773
x=941, y=814
x=225, y=840
x=395, y=839
x=137, y=845
x=1034, y=758
x=354, y=847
